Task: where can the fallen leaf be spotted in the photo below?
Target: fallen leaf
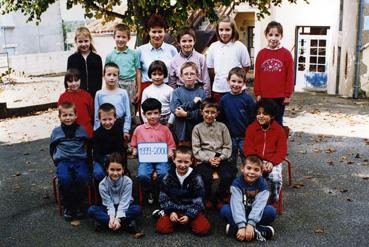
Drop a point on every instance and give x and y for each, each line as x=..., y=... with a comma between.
x=75, y=222
x=343, y=190
x=18, y=174
x=330, y=162
x=138, y=235
x=350, y=162
x=349, y=199
x=357, y=156
x=26, y=154
x=319, y=231
x=317, y=150
x=308, y=177
x=298, y=185
x=303, y=151
x=330, y=150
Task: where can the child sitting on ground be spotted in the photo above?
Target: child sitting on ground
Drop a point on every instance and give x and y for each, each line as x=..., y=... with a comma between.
x=267, y=139
x=68, y=150
x=186, y=102
x=181, y=196
x=152, y=131
x=212, y=147
x=106, y=139
x=248, y=211
x=117, y=210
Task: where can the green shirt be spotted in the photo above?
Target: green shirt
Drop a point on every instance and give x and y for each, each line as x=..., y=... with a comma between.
x=127, y=61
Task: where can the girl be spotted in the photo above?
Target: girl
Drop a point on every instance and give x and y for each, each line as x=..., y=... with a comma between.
x=159, y=90
x=86, y=61
x=80, y=98
x=186, y=38
x=115, y=189
x=274, y=75
x=185, y=103
x=116, y=96
x=224, y=55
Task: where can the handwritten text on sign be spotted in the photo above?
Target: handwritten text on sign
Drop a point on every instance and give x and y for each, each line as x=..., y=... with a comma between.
x=152, y=152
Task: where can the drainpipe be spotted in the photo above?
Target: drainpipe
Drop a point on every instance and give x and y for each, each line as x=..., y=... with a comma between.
x=358, y=50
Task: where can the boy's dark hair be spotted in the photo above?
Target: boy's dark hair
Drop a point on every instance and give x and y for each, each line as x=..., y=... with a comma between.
x=238, y=72
x=209, y=102
x=235, y=36
x=156, y=20
x=116, y=158
x=71, y=75
x=158, y=65
x=186, y=30
x=66, y=105
x=183, y=150
x=123, y=28
x=189, y=64
x=269, y=106
x=253, y=159
x=151, y=104
x=110, y=65
x=107, y=107
x=274, y=24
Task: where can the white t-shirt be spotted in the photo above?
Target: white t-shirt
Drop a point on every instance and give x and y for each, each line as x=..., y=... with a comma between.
x=182, y=178
x=161, y=92
x=224, y=57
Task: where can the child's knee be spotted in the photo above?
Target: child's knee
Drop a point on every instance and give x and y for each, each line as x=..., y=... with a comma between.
x=164, y=225
x=200, y=225
x=144, y=179
x=225, y=211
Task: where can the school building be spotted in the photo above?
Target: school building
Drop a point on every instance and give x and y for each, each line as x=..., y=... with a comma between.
x=325, y=37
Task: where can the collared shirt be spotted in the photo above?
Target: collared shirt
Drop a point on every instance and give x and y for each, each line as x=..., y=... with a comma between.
x=157, y=133
x=147, y=54
x=127, y=61
x=209, y=139
x=222, y=58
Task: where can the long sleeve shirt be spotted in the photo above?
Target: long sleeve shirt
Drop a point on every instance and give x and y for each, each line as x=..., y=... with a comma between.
x=209, y=139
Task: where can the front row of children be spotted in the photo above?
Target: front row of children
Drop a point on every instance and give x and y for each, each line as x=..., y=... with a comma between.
x=184, y=190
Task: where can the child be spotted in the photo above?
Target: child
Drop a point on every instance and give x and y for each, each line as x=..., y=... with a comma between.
x=267, y=139
x=248, y=212
x=86, y=61
x=80, y=98
x=118, y=97
x=159, y=90
x=186, y=38
x=117, y=210
x=237, y=112
x=129, y=64
x=212, y=147
x=67, y=149
x=107, y=139
x=224, y=55
x=274, y=75
x=185, y=103
x=181, y=196
x=152, y=131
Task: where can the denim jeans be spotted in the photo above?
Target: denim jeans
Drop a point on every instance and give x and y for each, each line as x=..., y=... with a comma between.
x=73, y=179
x=100, y=213
x=237, y=147
x=145, y=171
x=268, y=217
x=98, y=172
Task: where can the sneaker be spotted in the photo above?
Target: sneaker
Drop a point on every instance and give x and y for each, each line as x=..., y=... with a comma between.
x=230, y=231
x=79, y=214
x=134, y=230
x=157, y=213
x=150, y=198
x=98, y=226
x=263, y=233
x=68, y=216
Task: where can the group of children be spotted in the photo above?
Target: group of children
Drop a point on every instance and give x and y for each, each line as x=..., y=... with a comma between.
x=204, y=134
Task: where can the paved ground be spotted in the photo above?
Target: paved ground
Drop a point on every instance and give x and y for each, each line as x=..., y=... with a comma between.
x=327, y=205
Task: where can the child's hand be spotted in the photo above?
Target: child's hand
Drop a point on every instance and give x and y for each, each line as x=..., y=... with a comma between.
x=286, y=101
x=249, y=233
x=184, y=219
x=241, y=234
x=117, y=224
x=196, y=99
x=136, y=98
x=111, y=222
x=134, y=152
x=126, y=136
x=180, y=112
x=214, y=161
x=267, y=167
x=170, y=153
x=173, y=217
x=258, y=98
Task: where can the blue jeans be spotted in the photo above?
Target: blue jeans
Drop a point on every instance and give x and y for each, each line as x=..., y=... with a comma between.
x=268, y=217
x=145, y=171
x=237, y=147
x=100, y=213
x=98, y=172
x=73, y=179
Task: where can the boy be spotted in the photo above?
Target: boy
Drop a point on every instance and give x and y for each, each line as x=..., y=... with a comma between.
x=108, y=138
x=212, y=147
x=186, y=38
x=237, y=112
x=67, y=149
x=129, y=64
x=152, y=131
x=181, y=196
x=248, y=209
x=267, y=139
x=185, y=104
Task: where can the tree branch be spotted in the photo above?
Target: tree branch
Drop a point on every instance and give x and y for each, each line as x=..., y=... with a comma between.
x=105, y=11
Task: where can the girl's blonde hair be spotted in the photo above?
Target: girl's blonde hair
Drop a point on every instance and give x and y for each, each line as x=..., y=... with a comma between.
x=84, y=32
x=235, y=35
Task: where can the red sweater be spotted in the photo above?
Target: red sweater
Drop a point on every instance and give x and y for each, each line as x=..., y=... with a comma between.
x=84, y=108
x=269, y=144
x=274, y=74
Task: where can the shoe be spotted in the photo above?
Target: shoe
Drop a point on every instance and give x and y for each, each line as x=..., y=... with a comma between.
x=230, y=231
x=79, y=214
x=134, y=230
x=98, y=226
x=263, y=233
x=68, y=216
x=208, y=205
x=157, y=213
x=150, y=198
